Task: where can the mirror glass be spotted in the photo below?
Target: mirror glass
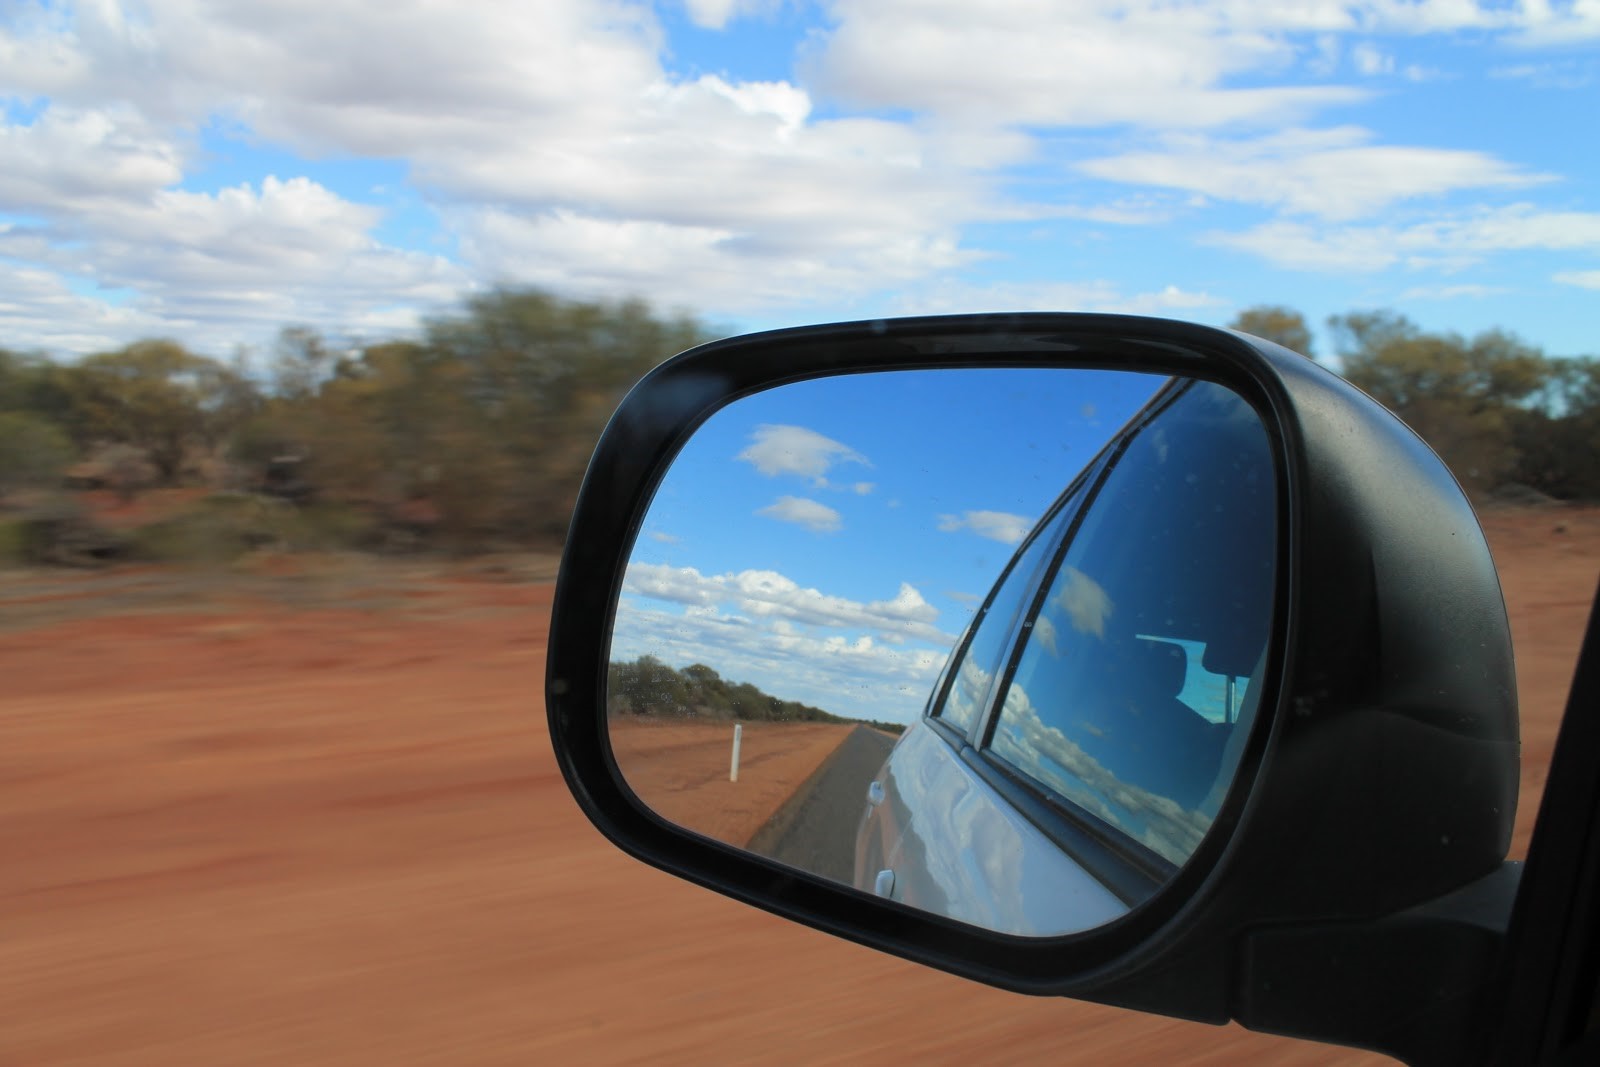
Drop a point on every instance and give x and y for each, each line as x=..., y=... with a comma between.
x=986, y=642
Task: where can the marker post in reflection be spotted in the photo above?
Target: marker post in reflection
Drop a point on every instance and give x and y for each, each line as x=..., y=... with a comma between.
x=733, y=767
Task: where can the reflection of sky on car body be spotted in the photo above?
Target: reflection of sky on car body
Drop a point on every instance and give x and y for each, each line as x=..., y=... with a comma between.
x=1160, y=823
x=833, y=537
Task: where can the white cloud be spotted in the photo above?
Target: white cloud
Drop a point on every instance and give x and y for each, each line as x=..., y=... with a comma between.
x=770, y=595
x=1449, y=241
x=863, y=488
x=663, y=538
x=550, y=137
x=237, y=264
x=1098, y=63
x=39, y=309
x=1157, y=65
x=802, y=512
x=1543, y=23
x=1333, y=173
x=1000, y=526
x=1451, y=292
x=68, y=160
x=1585, y=279
x=1554, y=75
x=858, y=675
x=1371, y=60
x=559, y=150
x=716, y=14
x=776, y=449
x=950, y=298
x=1085, y=603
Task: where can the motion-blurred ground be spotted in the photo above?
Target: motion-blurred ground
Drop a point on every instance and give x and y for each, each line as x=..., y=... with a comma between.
x=307, y=813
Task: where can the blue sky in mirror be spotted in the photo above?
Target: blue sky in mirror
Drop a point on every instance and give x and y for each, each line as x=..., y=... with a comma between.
x=214, y=172
x=828, y=540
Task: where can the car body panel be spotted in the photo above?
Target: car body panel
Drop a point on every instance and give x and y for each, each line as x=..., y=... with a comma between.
x=950, y=839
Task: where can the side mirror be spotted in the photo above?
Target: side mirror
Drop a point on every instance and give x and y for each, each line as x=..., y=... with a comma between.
x=1097, y=656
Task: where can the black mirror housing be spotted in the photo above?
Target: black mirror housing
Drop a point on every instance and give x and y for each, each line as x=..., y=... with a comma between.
x=1381, y=774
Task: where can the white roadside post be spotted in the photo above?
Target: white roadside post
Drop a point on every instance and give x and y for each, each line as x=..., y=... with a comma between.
x=733, y=768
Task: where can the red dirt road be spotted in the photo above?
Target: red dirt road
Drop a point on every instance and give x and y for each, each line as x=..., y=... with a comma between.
x=249, y=828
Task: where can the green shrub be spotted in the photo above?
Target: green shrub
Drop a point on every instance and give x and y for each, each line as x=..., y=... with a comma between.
x=223, y=527
x=325, y=527
x=14, y=543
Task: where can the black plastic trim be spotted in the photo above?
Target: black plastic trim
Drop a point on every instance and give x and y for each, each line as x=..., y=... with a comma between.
x=1554, y=945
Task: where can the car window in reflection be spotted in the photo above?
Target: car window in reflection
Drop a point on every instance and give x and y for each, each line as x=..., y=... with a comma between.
x=972, y=676
x=1138, y=665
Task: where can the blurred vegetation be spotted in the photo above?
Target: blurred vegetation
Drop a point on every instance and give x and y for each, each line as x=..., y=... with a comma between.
x=648, y=687
x=473, y=435
x=1280, y=325
x=1511, y=421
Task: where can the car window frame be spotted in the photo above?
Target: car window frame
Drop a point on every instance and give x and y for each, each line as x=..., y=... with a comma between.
x=1126, y=866
x=1053, y=526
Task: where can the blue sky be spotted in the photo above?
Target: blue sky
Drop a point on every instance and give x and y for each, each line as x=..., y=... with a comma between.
x=214, y=172
x=828, y=540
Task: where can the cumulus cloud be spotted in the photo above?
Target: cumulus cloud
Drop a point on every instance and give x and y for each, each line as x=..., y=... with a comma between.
x=882, y=655
x=812, y=515
x=848, y=675
x=771, y=595
x=553, y=143
x=96, y=199
x=1084, y=602
x=69, y=160
x=1567, y=75
x=1584, y=279
x=1453, y=240
x=1332, y=173
x=1371, y=60
x=556, y=146
x=39, y=306
x=953, y=298
x=715, y=14
x=1000, y=526
x=794, y=450
x=1450, y=292
x=1162, y=65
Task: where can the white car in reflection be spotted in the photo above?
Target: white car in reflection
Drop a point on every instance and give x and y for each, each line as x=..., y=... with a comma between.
x=1085, y=731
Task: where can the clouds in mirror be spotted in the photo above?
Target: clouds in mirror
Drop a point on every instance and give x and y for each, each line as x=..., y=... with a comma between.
x=795, y=450
x=802, y=512
x=1000, y=526
x=768, y=594
x=763, y=625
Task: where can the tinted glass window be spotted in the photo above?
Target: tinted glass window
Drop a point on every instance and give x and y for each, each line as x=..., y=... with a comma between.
x=971, y=677
x=1140, y=660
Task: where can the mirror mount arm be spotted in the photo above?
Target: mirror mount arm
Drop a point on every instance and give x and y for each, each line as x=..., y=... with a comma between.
x=1413, y=985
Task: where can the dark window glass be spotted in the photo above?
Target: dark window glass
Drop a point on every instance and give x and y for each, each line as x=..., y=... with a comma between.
x=1138, y=669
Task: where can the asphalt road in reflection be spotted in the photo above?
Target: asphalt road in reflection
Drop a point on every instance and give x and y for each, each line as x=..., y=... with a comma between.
x=815, y=830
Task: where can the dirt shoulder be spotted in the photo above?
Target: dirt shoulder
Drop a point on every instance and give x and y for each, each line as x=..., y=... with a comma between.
x=291, y=822
x=680, y=769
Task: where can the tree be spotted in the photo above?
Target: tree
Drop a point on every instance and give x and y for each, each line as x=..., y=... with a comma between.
x=541, y=375
x=1461, y=396
x=1280, y=325
x=1558, y=442
x=153, y=395
x=33, y=452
